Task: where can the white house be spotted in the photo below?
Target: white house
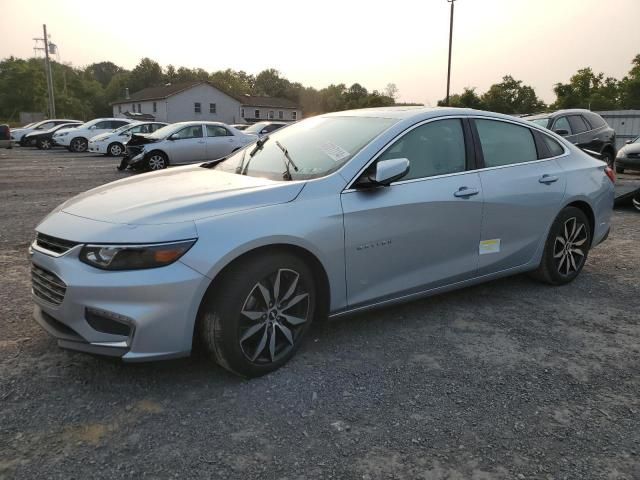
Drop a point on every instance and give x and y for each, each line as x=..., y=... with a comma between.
x=201, y=100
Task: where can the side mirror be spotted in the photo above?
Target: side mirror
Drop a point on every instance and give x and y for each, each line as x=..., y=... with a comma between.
x=628, y=142
x=388, y=171
x=562, y=132
x=171, y=137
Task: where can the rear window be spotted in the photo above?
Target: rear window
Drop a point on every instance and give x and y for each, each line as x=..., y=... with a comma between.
x=555, y=149
x=578, y=125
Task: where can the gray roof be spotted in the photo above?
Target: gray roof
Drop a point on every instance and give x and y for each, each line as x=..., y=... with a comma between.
x=165, y=91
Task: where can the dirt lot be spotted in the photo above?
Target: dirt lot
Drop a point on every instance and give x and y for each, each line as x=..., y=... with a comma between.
x=507, y=380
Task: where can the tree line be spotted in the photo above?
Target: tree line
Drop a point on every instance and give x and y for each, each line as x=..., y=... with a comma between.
x=585, y=89
x=87, y=92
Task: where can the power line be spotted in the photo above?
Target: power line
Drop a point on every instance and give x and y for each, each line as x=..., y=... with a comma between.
x=450, y=42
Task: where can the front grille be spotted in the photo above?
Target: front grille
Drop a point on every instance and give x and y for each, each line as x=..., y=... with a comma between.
x=633, y=155
x=47, y=286
x=53, y=244
x=134, y=150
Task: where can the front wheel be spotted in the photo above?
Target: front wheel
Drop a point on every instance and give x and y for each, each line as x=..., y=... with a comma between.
x=44, y=144
x=607, y=156
x=157, y=161
x=254, y=321
x=115, y=149
x=78, y=145
x=566, y=249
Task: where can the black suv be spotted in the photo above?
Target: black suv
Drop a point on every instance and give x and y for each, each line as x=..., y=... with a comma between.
x=583, y=128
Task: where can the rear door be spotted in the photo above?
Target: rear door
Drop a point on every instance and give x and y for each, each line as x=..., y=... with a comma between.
x=187, y=145
x=522, y=190
x=422, y=231
x=581, y=131
x=220, y=142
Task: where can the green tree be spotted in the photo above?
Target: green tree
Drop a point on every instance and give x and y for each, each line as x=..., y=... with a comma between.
x=587, y=89
x=467, y=99
x=630, y=87
x=147, y=73
x=511, y=96
x=103, y=72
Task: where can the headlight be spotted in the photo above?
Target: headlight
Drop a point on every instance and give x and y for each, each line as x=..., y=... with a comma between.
x=622, y=154
x=134, y=257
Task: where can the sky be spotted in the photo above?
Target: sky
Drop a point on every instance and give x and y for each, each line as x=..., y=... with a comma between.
x=405, y=42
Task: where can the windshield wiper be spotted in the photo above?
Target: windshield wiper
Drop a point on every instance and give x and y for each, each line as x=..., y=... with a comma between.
x=288, y=161
x=259, y=144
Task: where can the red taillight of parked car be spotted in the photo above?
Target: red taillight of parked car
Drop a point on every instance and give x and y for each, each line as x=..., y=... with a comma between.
x=611, y=174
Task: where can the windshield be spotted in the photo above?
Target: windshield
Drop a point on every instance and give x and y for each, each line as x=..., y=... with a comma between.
x=124, y=128
x=543, y=122
x=256, y=127
x=318, y=146
x=29, y=125
x=164, y=132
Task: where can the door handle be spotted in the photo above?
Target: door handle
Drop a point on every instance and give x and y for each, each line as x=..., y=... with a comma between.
x=464, y=192
x=548, y=179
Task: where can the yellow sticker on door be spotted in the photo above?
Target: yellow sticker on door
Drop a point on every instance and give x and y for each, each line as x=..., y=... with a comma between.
x=490, y=246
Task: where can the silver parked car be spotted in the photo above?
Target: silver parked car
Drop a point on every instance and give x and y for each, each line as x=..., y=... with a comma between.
x=335, y=214
x=185, y=142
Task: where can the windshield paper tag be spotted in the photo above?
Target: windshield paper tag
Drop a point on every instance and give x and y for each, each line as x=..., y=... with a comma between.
x=490, y=246
x=334, y=151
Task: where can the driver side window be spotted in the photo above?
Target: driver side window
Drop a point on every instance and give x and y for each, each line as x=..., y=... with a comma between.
x=435, y=148
x=562, y=124
x=194, y=131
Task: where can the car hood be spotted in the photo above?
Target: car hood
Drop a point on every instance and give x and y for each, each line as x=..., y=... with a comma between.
x=101, y=136
x=631, y=148
x=178, y=195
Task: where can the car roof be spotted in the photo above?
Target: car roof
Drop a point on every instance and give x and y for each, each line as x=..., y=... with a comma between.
x=557, y=113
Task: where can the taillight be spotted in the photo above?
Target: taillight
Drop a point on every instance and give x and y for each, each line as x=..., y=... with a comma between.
x=611, y=174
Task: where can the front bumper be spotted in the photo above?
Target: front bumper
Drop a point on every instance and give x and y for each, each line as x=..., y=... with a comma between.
x=62, y=141
x=97, y=147
x=628, y=162
x=156, y=307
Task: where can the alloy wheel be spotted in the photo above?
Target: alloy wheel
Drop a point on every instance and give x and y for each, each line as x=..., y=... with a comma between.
x=79, y=145
x=156, y=162
x=115, y=150
x=272, y=316
x=45, y=144
x=570, y=247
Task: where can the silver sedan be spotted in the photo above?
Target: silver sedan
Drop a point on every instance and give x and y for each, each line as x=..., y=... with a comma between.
x=335, y=214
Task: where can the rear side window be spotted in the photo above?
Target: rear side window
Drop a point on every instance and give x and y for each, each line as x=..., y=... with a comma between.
x=577, y=124
x=505, y=143
x=555, y=149
x=595, y=120
x=193, y=131
x=117, y=124
x=435, y=148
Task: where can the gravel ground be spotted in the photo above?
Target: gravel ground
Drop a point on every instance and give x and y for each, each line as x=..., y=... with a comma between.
x=508, y=380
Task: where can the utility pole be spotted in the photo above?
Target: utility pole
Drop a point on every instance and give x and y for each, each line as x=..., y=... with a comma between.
x=47, y=69
x=450, y=42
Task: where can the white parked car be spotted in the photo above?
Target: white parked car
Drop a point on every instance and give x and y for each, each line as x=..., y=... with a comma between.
x=18, y=134
x=113, y=143
x=77, y=139
x=185, y=142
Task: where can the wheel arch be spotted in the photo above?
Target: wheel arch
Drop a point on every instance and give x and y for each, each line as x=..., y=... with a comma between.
x=158, y=150
x=319, y=272
x=588, y=211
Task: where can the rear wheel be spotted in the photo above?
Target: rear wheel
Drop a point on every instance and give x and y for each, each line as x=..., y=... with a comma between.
x=79, y=145
x=157, y=161
x=115, y=149
x=256, y=319
x=566, y=249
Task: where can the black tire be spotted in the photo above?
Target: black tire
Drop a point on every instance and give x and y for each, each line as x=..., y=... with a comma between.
x=223, y=329
x=553, y=268
x=619, y=169
x=79, y=145
x=608, y=157
x=44, y=144
x=115, y=149
x=156, y=160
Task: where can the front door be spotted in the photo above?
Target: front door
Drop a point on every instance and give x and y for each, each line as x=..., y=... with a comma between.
x=187, y=145
x=422, y=231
